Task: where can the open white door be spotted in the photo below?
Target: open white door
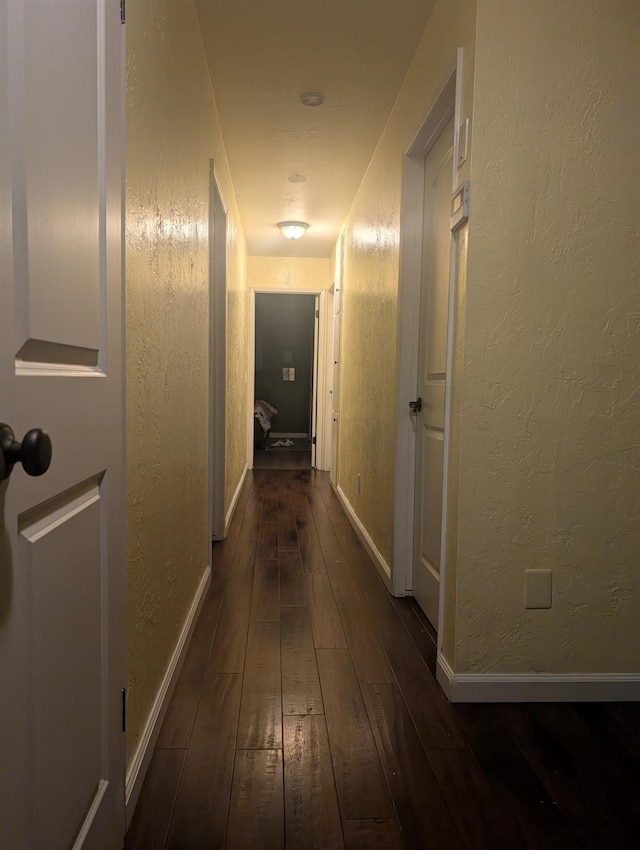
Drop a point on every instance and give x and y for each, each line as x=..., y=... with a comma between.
x=432, y=373
x=62, y=535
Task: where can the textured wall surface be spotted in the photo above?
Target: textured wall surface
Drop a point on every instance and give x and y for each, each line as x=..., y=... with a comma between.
x=290, y=273
x=171, y=136
x=550, y=456
x=371, y=265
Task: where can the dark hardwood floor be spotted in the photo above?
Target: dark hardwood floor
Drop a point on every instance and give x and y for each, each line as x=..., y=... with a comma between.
x=307, y=716
x=281, y=459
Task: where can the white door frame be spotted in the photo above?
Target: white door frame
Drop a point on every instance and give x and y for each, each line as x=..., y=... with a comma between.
x=320, y=369
x=315, y=370
x=217, y=356
x=446, y=105
x=334, y=342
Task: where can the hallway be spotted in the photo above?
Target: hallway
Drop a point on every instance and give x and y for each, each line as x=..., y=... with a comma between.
x=300, y=661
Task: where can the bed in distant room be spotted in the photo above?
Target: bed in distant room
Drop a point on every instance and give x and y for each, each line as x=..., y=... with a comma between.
x=262, y=415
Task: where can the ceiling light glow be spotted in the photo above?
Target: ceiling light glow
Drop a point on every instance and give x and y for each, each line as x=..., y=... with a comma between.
x=293, y=229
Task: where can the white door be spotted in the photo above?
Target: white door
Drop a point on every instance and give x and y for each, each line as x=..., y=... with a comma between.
x=62, y=542
x=432, y=373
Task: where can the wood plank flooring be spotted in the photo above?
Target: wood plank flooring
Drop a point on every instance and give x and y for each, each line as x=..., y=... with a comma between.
x=281, y=459
x=307, y=716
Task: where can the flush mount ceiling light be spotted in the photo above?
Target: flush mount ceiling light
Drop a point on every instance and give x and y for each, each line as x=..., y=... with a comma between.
x=293, y=229
x=312, y=98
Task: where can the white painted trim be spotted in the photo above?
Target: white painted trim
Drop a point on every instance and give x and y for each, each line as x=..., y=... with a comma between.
x=217, y=356
x=381, y=565
x=323, y=437
x=321, y=394
x=411, y=229
x=334, y=358
x=251, y=377
x=537, y=687
x=137, y=770
x=451, y=337
x=327, y=365
x=315, y=427
x=234, y=501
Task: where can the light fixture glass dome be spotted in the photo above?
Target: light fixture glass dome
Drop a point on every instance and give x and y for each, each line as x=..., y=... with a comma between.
x=293, y=229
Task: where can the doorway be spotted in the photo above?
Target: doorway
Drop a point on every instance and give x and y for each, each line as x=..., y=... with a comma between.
x=429, y=409
x=285, y=380
x=424, y=357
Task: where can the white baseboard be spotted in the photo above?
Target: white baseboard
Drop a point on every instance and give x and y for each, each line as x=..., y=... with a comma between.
x=142, y=757
x=234, y=501
x=537, y=687
x=381, y=565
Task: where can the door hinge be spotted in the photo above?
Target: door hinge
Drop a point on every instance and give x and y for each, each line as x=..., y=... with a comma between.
x=124, y=709
x=313, y=440
x=317, y=314
x=123, y=11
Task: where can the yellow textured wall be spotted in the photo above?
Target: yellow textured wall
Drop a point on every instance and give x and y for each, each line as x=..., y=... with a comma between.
x=290, y=273
x=550, y=456
x=370, y=294
x=172, y=133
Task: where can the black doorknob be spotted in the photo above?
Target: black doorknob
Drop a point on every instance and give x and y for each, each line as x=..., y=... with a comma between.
x=416, y=406
x=34, y=452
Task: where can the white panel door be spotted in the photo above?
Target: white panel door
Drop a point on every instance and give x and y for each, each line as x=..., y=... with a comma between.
x=62, y=542
x=432, y=373
x=335, y=389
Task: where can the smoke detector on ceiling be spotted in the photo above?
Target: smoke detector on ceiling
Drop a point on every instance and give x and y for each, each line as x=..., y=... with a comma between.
x=312, y=98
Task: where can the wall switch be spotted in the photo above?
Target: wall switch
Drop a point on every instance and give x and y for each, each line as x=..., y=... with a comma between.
x=359, y=483
x=537, y=588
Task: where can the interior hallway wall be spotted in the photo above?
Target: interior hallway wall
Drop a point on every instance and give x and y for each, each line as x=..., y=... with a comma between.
x=172, y=132
x=290, y=273
x=550, y=458
x=371, y=272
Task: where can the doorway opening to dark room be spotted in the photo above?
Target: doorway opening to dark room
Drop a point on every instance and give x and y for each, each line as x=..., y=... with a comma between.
x=285, y=379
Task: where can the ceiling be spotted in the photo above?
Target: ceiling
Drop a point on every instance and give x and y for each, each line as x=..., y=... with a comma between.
x=262, y=56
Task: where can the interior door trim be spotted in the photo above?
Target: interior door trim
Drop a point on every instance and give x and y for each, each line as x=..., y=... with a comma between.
x=445, y=106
